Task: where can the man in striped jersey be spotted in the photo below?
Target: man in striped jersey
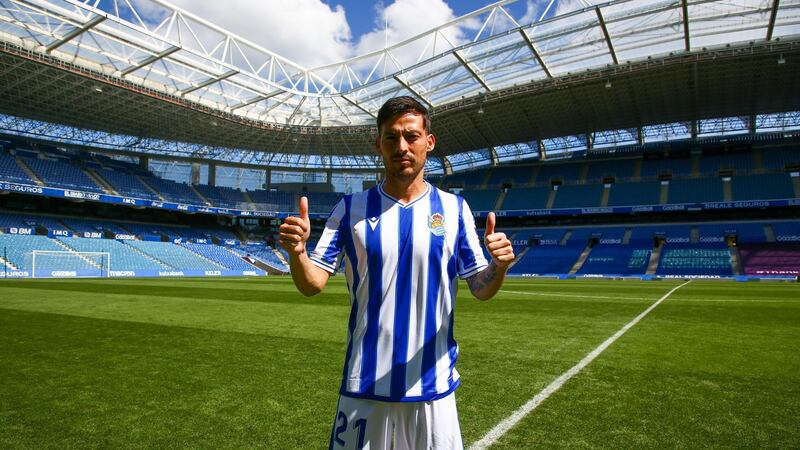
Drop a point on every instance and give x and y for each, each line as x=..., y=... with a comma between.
x=405, y=243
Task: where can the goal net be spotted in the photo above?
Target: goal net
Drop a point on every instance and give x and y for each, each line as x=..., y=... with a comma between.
x=46, y=263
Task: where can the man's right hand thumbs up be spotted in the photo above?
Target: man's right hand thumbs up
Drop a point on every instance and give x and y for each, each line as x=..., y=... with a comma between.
x=294, y=231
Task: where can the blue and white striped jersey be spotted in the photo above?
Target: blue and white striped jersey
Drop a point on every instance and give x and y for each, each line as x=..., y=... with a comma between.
x=401, y=264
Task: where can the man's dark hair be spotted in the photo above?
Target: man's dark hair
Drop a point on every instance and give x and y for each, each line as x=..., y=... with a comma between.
x=403, y=105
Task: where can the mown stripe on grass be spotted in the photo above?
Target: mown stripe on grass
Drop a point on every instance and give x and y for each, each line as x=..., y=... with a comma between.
x=509, y=422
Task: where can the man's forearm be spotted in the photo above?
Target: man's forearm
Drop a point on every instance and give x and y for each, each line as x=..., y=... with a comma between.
x=308, y=278
x=487, y=282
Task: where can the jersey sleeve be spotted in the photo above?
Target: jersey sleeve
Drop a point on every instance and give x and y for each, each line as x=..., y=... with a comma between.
x=470, y=255
x=330, y=245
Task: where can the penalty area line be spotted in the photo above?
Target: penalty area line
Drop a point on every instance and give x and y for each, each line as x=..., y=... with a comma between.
x=509, y=422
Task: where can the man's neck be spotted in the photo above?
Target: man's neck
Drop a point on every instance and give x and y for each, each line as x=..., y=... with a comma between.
x=405, y=190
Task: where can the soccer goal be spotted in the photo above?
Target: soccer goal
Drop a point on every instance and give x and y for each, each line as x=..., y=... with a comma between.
x=69, y=264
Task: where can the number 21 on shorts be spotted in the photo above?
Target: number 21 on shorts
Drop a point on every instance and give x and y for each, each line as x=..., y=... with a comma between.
x=341, y=427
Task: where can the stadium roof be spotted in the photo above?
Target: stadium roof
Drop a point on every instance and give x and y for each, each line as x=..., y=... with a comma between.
x=149, y=69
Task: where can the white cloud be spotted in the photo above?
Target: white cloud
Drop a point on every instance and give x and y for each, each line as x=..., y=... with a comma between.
x=308, y=32
x=313, y=33
x=404, y=19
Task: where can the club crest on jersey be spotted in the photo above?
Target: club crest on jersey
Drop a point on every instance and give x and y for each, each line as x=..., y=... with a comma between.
x=436, y=224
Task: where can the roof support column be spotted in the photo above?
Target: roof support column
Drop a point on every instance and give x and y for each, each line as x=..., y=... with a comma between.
x=540, y=147
x=493, y=156
x=693, y=129
x=752, y=125
x=640, y=135
x=212, y=174
x=144, y=162
x=195, y=174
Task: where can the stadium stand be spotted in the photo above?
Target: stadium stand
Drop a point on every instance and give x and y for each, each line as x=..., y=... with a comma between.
x=516, y=175
x=273, y=200
x=781, y=158
x=696, y=190
x=263, y=253
x=173, y=191
x=762, y=187
x=18, y=250
x=322, y=202
x=526, y=198
x=11, y=171
x=219, y=255
x=770, y=259
x=695, y=259
x=578, y=196
x=480, y=199
x=620, y=169
x=635, y=193
x=123, y=257
x=740, y=163
x=126, y=183
x=63, y=174
x=616, y=260
x=472, y=178
x=548, y=259
x=652, y=168
x=175, y=256
x=567, y=172
x=223, y=197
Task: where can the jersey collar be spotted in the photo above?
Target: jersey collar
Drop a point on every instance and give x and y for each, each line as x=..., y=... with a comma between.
x=401, y=204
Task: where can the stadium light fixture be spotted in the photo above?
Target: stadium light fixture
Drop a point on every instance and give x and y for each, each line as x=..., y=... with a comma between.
x=98, y=89
x=781, y=59
x=480, y=109
x=608, y=84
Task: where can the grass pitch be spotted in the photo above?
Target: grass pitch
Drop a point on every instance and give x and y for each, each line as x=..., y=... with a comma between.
x=243, y=363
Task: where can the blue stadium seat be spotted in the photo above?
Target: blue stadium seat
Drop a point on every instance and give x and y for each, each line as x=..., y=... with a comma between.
x=480, y=199
x=621, y=169
x=223, y=197
x=11, y=171
x=126, y=184
x=616, y=260
x=652, y=168
x=740, y=163
x=548, y=260
x=696, y=190
x=578, y=196
x=635, y=193
x=567, y=172
x=780, y=158
x=62, y=174
x=526, y=198
x=695, y=259
x=220, y=255
x=762, y=187
x=175, y=256
x=517, y=175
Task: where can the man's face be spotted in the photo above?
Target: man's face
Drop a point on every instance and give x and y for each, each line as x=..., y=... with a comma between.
x=404, y=146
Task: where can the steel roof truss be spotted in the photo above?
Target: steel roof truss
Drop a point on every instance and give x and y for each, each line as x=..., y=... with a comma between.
x=605, y=33
x=773, y=14
x=471, y=71
x=150, y=60
x=535, y=52
x=413, y=91
x=75, y=33
x=210, y=81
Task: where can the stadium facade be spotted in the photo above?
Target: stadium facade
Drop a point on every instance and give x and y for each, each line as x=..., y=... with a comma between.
x=629, y=138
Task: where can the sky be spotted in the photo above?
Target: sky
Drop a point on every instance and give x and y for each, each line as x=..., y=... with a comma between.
x=318, y=32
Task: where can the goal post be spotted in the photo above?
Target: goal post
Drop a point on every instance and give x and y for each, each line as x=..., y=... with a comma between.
x=69, y=264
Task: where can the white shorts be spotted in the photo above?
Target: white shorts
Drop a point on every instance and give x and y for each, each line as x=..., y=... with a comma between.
x=375, y=425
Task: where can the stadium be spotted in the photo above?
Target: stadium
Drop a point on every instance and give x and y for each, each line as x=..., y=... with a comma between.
x=637, y=154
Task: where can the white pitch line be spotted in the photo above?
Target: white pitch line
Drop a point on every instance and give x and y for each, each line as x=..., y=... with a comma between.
x=555, y=294
x=509, y=422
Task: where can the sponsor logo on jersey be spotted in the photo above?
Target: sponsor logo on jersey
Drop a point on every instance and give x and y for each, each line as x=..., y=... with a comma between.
x=373, y=222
